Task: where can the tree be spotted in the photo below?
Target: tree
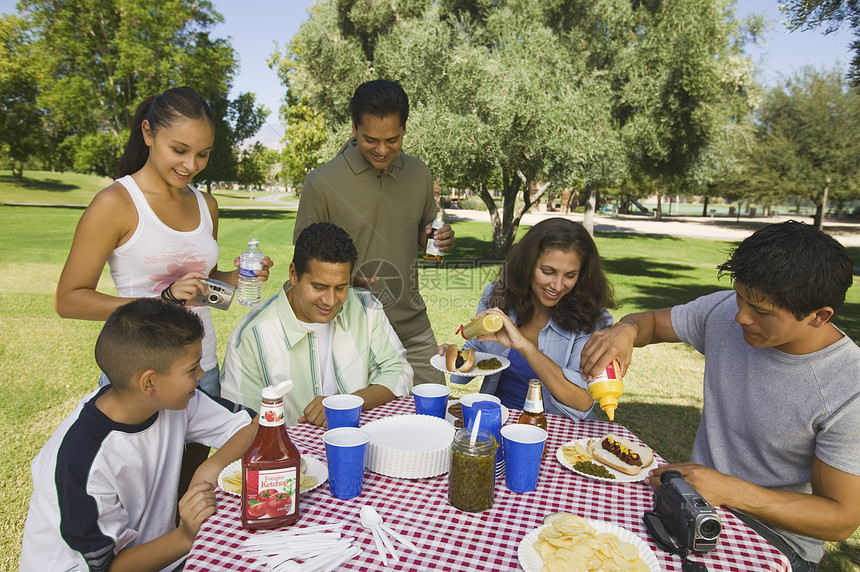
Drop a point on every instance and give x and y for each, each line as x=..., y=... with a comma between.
x=235, y=121
x=682, y=82
x=20, y=116
x=809, y=14
x=534, y=95
x=255, y=165
x=305, y=137
x=806, y=139
x=95, y=60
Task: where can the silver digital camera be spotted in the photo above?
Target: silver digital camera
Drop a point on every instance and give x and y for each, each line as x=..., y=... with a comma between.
x=218, y=294
x=685, y=515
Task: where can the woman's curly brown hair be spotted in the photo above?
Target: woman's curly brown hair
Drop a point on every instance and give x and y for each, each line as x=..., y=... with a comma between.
x=580, y=309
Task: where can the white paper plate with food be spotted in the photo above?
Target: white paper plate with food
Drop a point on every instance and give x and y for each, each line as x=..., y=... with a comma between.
x=574, y=451
x=438, y=362
x=580, y=543
x=315, y=474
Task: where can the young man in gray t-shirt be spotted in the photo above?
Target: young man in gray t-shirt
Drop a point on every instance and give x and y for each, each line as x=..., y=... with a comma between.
x=777, y=439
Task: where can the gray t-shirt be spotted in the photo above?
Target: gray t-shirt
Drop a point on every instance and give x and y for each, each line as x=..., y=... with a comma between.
x=766, y=413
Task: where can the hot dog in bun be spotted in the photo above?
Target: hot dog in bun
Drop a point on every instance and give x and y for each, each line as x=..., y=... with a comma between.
x=459, y=360
x=620, y=454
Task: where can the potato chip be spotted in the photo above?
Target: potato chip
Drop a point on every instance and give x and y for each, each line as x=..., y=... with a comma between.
x=308, y=482
x=570, y=543
x=233, y=483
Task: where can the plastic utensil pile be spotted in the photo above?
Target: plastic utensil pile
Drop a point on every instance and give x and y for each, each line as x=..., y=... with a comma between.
x=320, y=548
x=371, y=519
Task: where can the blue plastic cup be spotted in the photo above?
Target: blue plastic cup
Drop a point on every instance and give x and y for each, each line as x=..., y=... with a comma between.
x=342, y=410
x=345, y=449
x=431, y=399
x=467, y=400
x=491, y=420
x=523, y=451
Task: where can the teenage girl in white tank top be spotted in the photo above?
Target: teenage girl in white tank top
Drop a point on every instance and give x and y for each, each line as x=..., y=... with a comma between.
x=155, y=230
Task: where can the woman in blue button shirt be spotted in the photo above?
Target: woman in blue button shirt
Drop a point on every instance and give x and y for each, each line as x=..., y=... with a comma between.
x=552, y=294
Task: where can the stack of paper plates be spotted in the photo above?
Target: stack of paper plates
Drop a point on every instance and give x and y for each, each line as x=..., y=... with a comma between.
x=409, y=446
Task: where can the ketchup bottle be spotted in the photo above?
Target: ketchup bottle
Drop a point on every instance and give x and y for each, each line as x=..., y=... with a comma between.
x=270, y=468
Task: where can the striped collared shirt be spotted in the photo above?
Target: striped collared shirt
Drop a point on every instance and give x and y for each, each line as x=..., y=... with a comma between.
x=270, y=345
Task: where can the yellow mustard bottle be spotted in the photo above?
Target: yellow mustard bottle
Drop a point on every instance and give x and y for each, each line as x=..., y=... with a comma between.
x=489, y=324
x=607, y=388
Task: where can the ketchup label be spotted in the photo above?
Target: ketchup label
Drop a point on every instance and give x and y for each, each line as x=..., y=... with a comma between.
x=271, y=415
x=271, y=493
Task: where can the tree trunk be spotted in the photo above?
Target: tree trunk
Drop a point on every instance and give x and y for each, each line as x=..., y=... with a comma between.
x=590, y=202
x=658, y=212
x=705, y=208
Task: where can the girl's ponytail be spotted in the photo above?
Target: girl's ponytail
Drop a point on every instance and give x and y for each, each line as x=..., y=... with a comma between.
x=136, y=151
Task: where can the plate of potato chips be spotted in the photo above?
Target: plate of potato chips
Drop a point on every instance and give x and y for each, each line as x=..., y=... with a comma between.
x=313, y=473
x=570, y=543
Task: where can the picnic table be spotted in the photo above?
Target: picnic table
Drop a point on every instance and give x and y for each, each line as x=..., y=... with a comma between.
x=454, y=540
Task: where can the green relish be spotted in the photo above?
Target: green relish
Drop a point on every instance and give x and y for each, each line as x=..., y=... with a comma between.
x=594, y=469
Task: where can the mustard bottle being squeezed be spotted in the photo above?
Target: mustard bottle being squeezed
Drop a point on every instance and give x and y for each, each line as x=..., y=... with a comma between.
x=489, y=324
x=607, y=388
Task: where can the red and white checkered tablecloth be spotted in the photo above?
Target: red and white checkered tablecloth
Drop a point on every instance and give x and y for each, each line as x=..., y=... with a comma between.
x=459, y=541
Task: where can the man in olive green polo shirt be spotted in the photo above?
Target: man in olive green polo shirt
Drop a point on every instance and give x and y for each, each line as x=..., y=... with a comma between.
x=384, y=199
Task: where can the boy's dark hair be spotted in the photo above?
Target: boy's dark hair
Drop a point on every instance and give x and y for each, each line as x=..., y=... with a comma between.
x=794, y=265
x=145, y=334
x=380, y=97
x=161, y=111
x=325, y=242
x=581, y=308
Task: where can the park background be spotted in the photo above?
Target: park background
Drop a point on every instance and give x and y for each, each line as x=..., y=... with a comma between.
x=765, y=167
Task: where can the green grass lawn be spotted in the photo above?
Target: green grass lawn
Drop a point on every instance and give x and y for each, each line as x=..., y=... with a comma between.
x=46, y=362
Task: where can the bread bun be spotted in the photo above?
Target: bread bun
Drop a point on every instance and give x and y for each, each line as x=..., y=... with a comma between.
x=610, y=459
x=467, y=356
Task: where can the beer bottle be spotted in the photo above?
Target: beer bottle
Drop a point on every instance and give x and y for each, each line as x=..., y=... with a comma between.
x=533, y=408
x=432, y=252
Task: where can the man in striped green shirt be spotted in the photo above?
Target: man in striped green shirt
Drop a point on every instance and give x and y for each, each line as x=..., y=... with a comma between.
x=319, y=332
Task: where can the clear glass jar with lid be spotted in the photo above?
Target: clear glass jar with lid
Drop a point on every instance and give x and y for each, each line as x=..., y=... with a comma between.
x=472, y=475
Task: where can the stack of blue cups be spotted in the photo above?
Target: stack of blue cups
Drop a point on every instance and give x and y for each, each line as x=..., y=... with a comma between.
x=491, y=420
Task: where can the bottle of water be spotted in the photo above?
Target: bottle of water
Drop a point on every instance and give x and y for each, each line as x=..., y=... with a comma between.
x=250, y=288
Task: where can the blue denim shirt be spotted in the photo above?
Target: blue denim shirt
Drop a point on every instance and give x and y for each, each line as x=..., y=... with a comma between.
x=561, y=346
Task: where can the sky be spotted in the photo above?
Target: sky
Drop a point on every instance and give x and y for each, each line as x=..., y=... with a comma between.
x=257, y=28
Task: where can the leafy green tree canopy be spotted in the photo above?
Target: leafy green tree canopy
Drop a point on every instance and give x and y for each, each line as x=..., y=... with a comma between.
x=530, y=94
x=95, y=60
x=807, y=140
x=19, y=115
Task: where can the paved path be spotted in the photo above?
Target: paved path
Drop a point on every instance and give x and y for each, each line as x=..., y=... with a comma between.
x=718, y=228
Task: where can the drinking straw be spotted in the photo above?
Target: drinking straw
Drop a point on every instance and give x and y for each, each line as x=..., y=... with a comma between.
x=474, y=436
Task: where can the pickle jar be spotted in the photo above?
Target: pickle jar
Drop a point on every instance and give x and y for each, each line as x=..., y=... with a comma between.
x=472, y=475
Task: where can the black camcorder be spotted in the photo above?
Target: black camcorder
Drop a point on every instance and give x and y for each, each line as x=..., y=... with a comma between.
x=683, y=515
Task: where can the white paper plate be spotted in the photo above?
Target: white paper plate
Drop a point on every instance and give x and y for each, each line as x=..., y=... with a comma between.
x=619, y=476
x=313, y=467
x=531, y=561
x=450, y=418
x=438, y=362
x=409, y=446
